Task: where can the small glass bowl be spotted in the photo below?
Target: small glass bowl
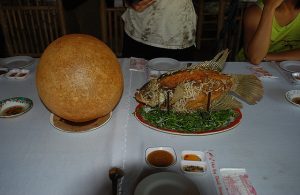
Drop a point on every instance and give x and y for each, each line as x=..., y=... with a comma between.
x=160, y=157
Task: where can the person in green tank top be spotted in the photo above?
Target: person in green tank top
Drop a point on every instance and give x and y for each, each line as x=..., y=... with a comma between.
x=271, y=31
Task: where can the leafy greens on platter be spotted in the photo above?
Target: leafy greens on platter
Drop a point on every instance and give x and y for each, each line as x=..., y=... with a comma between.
x=196, y=122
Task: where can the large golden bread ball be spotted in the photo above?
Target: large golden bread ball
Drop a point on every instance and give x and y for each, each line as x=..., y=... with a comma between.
x=79, y=78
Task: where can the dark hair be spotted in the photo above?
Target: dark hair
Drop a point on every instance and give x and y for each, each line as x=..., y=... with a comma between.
x=297, y=4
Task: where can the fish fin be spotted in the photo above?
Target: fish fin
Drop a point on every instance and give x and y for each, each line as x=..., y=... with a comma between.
x=217, y=63
x=227, y=102
x=248, y=87
x=178, y=93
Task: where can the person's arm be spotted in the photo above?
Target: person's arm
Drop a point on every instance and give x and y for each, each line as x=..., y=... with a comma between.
x=285, y=55
x=258, y=29
x=142, y=5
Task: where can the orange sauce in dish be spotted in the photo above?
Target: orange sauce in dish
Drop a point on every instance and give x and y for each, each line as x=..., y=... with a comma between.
x=296, y=100
x=192, y=157
x=160, y=158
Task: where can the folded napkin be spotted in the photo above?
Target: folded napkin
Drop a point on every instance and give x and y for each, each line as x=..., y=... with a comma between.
x=137, y=64
x=260, y=72
x=140, y=64
x=237, y=181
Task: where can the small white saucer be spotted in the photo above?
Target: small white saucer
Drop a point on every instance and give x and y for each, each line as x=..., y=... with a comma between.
x=164, y=64
x=16, y=62
x=290, y=66
x=293, y=96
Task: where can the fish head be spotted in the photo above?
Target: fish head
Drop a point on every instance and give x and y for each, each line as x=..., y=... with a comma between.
x=151, y=94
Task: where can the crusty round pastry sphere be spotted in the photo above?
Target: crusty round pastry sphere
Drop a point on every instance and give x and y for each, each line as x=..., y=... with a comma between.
x=79, y=78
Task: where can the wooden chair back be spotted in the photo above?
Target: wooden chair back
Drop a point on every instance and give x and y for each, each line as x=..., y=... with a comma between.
x=219, y=26
x=30, y=25
x=112, y=27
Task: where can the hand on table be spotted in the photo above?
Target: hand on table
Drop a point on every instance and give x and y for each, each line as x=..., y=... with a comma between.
x=142, y=5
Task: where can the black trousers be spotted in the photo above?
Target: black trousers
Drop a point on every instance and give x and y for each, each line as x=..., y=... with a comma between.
x=133, y=48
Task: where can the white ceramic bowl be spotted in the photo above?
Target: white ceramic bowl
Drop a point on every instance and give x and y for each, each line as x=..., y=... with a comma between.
x=193, y=167
x=160, y=157
x=13, y=107
x=293, y=96
x=296, y=77
x=18, y=74
x=192, y=155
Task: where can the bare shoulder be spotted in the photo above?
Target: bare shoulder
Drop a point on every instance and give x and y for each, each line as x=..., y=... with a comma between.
x=252, y=15
x=253, y=12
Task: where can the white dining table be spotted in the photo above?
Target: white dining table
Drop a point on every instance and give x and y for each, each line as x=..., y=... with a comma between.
x=36, y=158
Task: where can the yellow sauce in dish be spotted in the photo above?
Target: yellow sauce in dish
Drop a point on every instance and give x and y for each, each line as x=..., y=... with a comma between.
x=192, y=157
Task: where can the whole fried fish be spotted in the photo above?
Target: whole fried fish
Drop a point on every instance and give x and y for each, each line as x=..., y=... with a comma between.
x=187, y=90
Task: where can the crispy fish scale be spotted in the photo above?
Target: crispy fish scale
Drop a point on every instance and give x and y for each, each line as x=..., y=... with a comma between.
x=217, y=88
x=172, y=80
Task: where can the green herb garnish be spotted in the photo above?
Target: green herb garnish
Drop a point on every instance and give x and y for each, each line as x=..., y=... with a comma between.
x=196, y=122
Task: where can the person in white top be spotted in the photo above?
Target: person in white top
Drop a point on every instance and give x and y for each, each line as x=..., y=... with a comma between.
x=160, y=28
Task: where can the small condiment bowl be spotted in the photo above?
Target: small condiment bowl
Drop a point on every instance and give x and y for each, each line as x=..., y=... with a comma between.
x=293, y=96
x=191, y=155
x=3, y=71
x=13, y=107
x=160, y=157
x=18, y=74
x=296, y=76
x=193, y=167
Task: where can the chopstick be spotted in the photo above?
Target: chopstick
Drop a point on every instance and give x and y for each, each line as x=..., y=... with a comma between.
x=208, y=102
x=168, y=101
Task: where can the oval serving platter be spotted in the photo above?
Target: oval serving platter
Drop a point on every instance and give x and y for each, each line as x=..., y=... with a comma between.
x=230, y=126
x=15, y=106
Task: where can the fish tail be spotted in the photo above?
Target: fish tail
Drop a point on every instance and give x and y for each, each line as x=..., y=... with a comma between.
x=248, y=87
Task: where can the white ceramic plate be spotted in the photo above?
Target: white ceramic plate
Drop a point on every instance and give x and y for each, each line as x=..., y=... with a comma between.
x=13, y=107
x=290, y=66
x=69, y=127
x=16, y=62
x=290, y=95
x=164, y=183
x=164, y=64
